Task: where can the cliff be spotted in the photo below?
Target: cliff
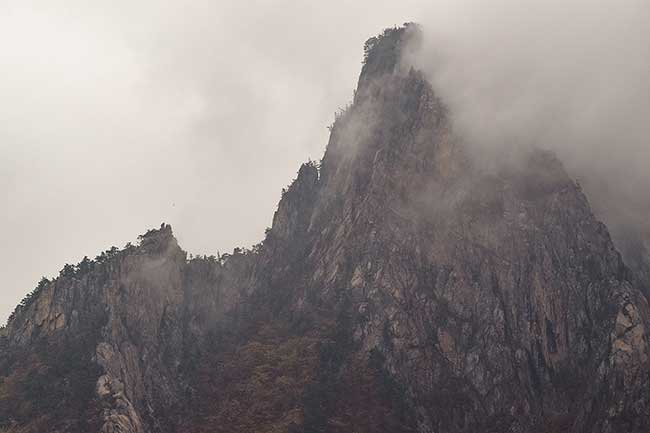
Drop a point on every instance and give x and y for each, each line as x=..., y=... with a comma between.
x=402, y=287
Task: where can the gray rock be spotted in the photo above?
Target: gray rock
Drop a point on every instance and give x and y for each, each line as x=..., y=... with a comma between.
x=492, y=296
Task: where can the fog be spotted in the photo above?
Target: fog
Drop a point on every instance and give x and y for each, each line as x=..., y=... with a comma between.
x=117, y=116
x=570, y=76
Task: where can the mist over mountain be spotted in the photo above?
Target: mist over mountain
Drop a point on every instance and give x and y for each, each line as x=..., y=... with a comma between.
x=124, y=114
x=565, y=76
x=101, y=102
x=424, y=276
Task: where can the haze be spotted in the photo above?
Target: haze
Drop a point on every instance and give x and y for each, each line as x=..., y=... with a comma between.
x=116, y=117
x=569, y=76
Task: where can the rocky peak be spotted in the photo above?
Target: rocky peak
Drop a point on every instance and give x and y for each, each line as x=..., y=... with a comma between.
x=402, y=287
x=383, y=54
x=158, y=241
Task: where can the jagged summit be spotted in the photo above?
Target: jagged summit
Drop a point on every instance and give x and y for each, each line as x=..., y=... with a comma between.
x=401, y=288
x=383, y=53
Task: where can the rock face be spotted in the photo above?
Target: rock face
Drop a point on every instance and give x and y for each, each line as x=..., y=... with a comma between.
x=402, y=288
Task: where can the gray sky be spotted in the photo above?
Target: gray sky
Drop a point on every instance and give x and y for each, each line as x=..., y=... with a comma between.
x=116, y=116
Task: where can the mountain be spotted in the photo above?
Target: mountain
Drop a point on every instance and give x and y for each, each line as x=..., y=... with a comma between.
x=403, y=287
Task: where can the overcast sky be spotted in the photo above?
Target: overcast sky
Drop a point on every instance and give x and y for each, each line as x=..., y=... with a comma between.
x=116, y=116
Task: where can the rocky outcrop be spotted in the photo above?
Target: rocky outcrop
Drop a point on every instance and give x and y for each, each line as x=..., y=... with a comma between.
x=130, y=301
x=403, y=286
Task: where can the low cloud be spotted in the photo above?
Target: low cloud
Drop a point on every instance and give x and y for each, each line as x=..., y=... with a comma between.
x=117, y=116
x=569, y=76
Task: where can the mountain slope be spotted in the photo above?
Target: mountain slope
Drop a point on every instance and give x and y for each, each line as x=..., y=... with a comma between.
x=402, y=287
